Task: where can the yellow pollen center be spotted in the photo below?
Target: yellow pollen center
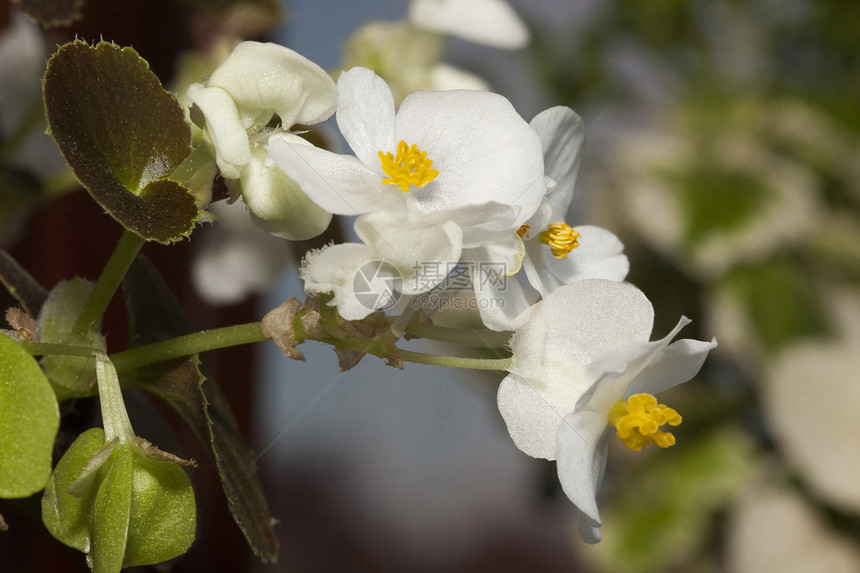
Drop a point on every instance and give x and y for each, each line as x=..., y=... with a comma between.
x=561, y=239
x=523, y=231
x=638, y=420
x=409, y=167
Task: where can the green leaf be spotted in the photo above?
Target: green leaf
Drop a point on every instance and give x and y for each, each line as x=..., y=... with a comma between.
x=123, y=135
x=782, y=304
x=20, y=284
x=29, y=420
x=155, y=315
x=71, y=376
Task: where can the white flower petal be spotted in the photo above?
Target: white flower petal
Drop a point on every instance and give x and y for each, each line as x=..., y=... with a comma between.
x=277, y=204
x=485, y=224
x=561, y=133
x=266, y=77
x=413, y=244
x=333, y=270
x=484, y=151
x=616, y=370
x=678, y=362
x=578, y=323
x=501, y=301
x=365, y=116
x=224, y=131
x=583, y=440
x=489, y=22
x=532, y=420
x=340, y=184
x=600, y=255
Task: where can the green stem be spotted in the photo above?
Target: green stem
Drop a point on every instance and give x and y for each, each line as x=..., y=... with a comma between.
x=476, y=337
x=187, y=345
x=114, y=414
x=109, y=281
x=12, y=143
x=194, y=162
x=250, y=333
x=43, y=348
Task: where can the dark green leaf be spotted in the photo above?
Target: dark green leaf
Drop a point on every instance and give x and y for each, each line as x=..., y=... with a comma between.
x=29, y=420
x=52, y=13
x=123, y=135
x=155, y=315
x=29, y=294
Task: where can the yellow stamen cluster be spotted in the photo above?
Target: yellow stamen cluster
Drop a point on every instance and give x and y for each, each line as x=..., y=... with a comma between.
x=638, y=421
x=409, y=167
x=523, y=231
x=561, y=239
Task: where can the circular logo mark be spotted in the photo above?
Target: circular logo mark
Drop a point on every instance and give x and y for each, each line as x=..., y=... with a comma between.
x=377, y=285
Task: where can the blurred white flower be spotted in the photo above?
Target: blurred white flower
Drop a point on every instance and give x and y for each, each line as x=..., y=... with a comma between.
x=740, y=204
x=582, y=365
x=810, y=399
x=448, y=172
x=774, y=530
x=490, y=22
x=235, y=259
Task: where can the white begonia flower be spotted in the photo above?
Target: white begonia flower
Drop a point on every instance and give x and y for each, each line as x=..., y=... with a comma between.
x=583, y=364
x=235, y=260
x=555, y=253
x=448, y=172
x=776, y=530
x=257, y=81
x=490, y=22
x=810, y=400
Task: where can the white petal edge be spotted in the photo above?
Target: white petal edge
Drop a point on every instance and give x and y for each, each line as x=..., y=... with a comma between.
x=561, y=132
x=224, y=130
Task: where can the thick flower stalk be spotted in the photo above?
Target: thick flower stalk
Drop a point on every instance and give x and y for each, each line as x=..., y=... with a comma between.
x=583, y=368
x=447, y=173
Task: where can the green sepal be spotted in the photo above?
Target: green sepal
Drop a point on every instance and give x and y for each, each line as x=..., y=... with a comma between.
x=70, y=376
x=119, y=503
x=123, y=135
x=29, y=420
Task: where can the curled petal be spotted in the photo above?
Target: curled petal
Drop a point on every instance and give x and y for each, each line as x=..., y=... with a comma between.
x=277, y=204
x=583, y=441
x=333, y=269
x=224, y=132
x=263, y=78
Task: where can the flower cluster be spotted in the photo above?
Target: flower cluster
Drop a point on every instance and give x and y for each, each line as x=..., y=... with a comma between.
x=454, y=179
